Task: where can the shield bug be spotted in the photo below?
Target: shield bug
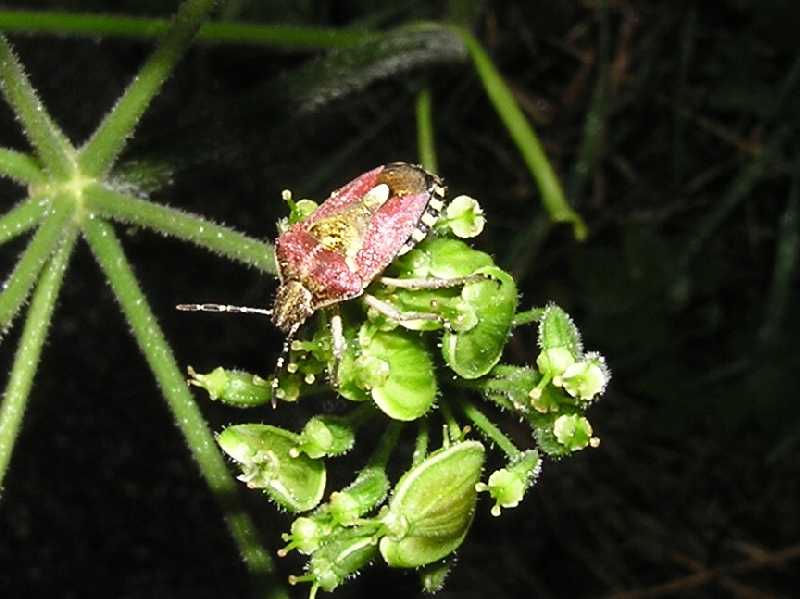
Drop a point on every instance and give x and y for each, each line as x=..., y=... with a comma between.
x=334, y=253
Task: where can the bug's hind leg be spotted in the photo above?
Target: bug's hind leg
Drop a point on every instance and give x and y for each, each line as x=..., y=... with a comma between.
x=393, y=313
x=432, y=282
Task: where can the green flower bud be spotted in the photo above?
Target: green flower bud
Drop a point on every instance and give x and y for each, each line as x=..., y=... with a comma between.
x=432, y=506
x=433, y=576
x=442, y=258
x=233, y=387
x=552, y=362
x=585, y=379
x=473, y=353
x=264, y=453
x=507, y=486
x=306, y=535
x=340, y=557
x=297, y=210
x=364, y=493
x=556, y=330
x=572, y=431
x=465, y=217
x=326, y=435
x=394, y=368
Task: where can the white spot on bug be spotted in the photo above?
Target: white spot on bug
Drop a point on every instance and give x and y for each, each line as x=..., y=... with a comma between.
x=436, y=204
x=376, y=196
x=418, y=235
x=428, y=219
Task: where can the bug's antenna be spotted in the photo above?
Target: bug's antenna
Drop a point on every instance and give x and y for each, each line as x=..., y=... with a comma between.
x=222, y=308
x=287, y=343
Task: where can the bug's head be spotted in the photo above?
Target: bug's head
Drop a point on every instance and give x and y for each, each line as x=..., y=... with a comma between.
x=293, y=304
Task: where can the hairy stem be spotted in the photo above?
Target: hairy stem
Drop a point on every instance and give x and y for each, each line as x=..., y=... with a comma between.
x=52, y=147
x=489, y=430
x=98, y=155
x=425, y=138
x=183, y=225
x=22, y=217
x=527, y=317
x=301, y=37
x=523, y=135
x=420, y=442
x=19, y=283
x=157, y=352
x=20, y=167
x=26, y=360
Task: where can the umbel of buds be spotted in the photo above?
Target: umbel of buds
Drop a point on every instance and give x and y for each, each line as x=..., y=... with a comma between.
x=412, y=347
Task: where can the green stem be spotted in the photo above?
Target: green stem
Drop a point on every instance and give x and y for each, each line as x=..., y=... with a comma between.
x=183, y=225
x=420, y=442
x=527, y=317
x=380, y=457
x=20, y=167
x=22, y=217
x=785, y=268
x=490, y=431
x=111, y=257
x=30, y=264
x=26, y=360
x=453, y=429
x=98, y=155
x=91, y=25
x=523, y=135
x=53, y=149
x=425, y=139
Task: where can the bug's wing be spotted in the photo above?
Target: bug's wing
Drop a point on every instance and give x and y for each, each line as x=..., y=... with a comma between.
x=345, y=197
x=389, y=228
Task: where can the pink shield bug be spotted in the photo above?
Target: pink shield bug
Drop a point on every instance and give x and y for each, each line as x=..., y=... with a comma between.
x=333, y=254
x=338, y=250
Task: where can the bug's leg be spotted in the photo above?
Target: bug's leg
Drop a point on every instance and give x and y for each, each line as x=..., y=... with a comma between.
x=337, y=333
x=287, y=343
x=432, y=282
x=390, y=311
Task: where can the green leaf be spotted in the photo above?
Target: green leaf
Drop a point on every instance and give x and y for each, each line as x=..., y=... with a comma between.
x=269, y=459
x=432, y=506
x=473, y=353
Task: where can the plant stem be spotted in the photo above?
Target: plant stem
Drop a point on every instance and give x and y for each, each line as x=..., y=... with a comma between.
x=20, y=167
x=183, y=225
x=527, y=317
x=52, y=147
x=157, y=352
x=22, y=217
x=30, y=264
x=454, y=431
x=523, y=135
x=26, y=360
x=420, y=442
x=489, y=430
x=380, y=457
x=425, y=138
x=98, y=155
x=91, y=25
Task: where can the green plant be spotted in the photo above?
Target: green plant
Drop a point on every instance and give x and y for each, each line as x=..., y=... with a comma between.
x=74, y=192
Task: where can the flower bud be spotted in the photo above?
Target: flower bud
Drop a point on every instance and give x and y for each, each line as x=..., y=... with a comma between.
x=339, y=558
x=233, y=387
x=474, y=352
x=364, y=493
x=507, y=486
x=587, y=378
x=326, y=435
x=401, y=381
x=264, y=453
x=572, y=431
x=432, y=506
x=465, y=217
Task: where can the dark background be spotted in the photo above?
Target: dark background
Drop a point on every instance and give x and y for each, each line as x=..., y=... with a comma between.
x=686, y=284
